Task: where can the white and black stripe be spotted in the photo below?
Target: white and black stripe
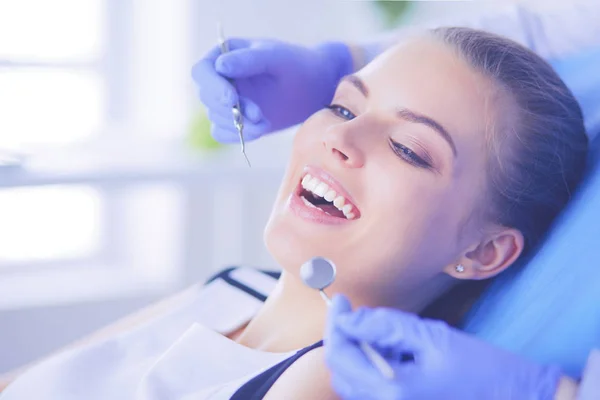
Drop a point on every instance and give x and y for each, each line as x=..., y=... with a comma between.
x=255, y=282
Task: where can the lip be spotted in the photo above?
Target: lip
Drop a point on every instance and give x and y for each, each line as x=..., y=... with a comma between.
x=298, y=207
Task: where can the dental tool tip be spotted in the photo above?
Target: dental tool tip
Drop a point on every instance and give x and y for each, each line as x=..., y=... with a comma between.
x=220, y=33
x=247, y=160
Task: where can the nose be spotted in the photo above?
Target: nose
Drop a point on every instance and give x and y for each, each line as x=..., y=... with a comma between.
x=342, y=145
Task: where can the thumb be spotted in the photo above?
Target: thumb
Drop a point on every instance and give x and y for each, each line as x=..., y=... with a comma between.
x=244, y=63
x=339, y=306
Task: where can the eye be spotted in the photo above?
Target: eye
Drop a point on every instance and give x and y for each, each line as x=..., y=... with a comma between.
x=401, y=151
x=408, y=155
x=341, y=112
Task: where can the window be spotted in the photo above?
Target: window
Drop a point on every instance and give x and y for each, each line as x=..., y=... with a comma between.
x=51, y=80
x=92, y=215
x=48, y=223
x=52, y=92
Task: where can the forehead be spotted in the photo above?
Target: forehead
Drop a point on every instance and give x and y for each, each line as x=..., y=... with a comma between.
x=428, y=77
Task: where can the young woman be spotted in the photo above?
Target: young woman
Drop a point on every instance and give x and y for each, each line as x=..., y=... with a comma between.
x=441, y=162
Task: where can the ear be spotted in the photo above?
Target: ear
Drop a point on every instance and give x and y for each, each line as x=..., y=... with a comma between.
x=489, y=257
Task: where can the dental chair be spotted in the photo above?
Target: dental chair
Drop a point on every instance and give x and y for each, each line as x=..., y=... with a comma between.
x=549, y=311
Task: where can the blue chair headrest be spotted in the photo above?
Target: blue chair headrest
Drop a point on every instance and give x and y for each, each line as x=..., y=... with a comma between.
x=580, y=74
x=549, y=311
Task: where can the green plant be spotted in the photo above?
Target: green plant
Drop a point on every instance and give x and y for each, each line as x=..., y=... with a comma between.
x=392, y=11
x=199, y=136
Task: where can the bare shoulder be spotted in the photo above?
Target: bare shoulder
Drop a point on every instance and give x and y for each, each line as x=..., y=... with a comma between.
x=307, y=378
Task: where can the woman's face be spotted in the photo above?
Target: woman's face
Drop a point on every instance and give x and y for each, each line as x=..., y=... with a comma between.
x=401, y=151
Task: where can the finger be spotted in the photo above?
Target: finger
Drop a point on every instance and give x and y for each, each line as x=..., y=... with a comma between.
x=218, y=99
x=224, y=131
x=353, y=390
x=214, y=90
x=232, y=136
x=244, y=63
x=390, y=390
x=353, y=373
x=340, y=305
x=236, y=43
x=224, y=135
x=216, y=51
x=342, y=351
x=343, y=387
x=250, y=110
x=383, y=327
x=344, y=357
x=365, y=384
x=212, y=54
x=224, y=118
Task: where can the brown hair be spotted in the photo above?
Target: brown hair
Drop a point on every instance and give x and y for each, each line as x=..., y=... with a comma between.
x=537, y=153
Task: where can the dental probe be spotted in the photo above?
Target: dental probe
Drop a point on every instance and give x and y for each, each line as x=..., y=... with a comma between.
x=238, y=118
x=318, y=273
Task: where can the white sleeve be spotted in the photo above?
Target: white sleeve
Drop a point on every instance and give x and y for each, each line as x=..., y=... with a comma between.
x=551, y=29
x=589, y=388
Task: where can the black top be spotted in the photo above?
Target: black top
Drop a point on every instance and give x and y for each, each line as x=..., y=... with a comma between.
x=257, y=387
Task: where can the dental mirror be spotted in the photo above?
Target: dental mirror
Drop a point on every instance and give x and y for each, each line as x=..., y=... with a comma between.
x=318, y=273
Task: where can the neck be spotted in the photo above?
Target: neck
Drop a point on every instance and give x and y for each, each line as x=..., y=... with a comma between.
x=292, y=317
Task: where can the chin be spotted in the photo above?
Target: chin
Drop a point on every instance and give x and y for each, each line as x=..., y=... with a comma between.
x=291, y=246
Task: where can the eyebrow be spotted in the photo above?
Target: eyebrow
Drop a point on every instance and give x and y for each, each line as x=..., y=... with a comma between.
x=357, y=83
x=412, y=116
x=406, y=114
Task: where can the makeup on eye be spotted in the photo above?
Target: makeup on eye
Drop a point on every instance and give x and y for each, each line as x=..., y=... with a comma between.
x=341, y=111
x=399, y=149
x=409, y=155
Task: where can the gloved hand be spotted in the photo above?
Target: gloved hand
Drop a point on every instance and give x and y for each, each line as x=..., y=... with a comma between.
x=279, y=84
x=448, y=364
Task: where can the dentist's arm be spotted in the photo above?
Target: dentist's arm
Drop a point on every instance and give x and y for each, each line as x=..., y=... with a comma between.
x=554, y=30
x=447, y=363
x=590, y=383
x=281, y=84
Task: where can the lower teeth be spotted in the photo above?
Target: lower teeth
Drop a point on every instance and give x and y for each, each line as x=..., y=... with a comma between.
x=308, y=203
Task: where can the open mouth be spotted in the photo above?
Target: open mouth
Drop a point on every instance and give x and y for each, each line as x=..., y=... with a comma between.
x=319, y=195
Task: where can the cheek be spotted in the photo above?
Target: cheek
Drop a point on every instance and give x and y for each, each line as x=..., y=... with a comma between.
x=413, y=217
x=310, y=133
x=304, y=144
x=281, y=236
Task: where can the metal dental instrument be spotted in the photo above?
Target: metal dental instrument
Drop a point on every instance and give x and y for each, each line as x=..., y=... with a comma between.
x=318, y=273
x=238, y=118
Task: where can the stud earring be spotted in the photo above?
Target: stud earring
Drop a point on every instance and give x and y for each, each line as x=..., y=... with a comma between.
x=459, y=268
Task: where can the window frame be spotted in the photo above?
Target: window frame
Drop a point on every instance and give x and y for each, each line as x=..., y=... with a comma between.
x=107, y=272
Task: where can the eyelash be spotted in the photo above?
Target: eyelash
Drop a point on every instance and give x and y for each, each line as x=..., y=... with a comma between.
x=400, y=150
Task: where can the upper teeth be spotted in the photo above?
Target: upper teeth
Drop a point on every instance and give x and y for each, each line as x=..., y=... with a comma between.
x=321, y=189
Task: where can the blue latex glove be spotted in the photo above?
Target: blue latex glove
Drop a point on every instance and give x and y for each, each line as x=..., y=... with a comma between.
x=448, y=364
x=279, y=84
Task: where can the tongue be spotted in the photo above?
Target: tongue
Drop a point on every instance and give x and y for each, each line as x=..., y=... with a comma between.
x=331, y=209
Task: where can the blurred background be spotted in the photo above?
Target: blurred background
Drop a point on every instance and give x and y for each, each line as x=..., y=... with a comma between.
x=121, y=196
